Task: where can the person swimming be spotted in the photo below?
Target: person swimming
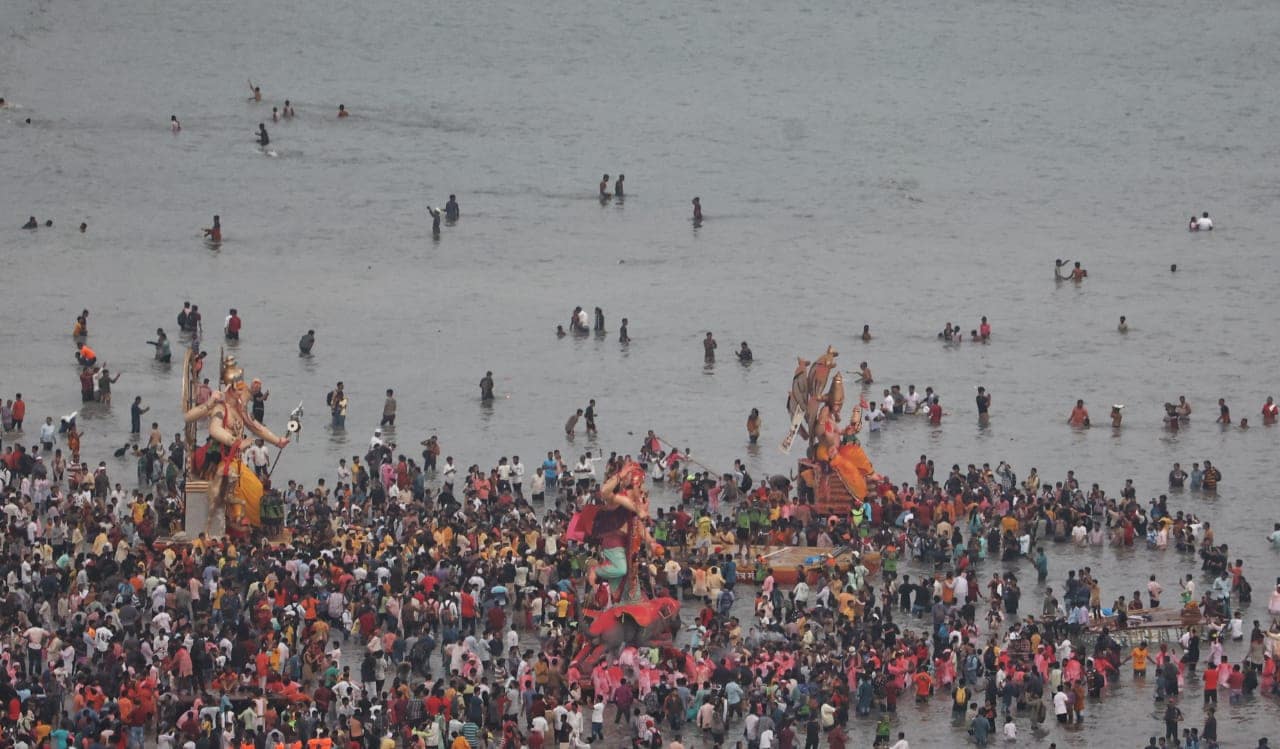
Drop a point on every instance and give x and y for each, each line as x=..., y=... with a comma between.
x=451, y=210
x=1123, y=327
x=256, y=92
x=83, y=227
x=174, y=125
x=31, y=223
x=604, y=188
x=617, y=186
x=214, y=233
x=275, y=114
x=288, y=110
x=342, y=111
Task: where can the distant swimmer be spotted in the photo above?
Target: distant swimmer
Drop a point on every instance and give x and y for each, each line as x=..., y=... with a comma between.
x=275, y=114
x=622, y=333
x=709, y=346
x=486, y=386
x=214, y=233
x=1078, y=273
x=263, y=139
x=1123, y=327
x=3, y=103
x=256, y=92
x=451, y=210
x=866, y=333
x=744, y=354
x=617, y=186
x=984, y=329
x=1058, y=273
x=697, y=210
x=83, y=227
x=48, y=224
x=1200, y=223
x=560, y=332
x=604, y=188
x=598, y=325
x=435, y=220
x=31, y=223
x=305, y=343
x=174, y=125
x=1116, y=416
x=342, y=111
x=288, y=110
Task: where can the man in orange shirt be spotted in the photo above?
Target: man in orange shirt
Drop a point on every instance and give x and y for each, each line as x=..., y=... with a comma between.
x=924, y=684
x=86, y=356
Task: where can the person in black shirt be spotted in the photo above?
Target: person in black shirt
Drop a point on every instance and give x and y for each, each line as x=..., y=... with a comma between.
x=984, y=406
x=905, y=591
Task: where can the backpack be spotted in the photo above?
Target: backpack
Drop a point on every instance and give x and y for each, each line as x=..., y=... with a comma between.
x=745, y=486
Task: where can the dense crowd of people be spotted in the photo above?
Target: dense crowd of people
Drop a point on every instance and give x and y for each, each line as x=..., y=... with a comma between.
x=408, y=604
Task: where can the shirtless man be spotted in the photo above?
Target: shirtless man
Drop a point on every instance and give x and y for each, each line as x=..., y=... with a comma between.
x=1079, y=415
x=604, y=188
x=342, y=111
x=1183, y=409
x=697, y=210
x=1078, y=273
x=1123, y=327
x=214, y=233
x=174, y=125
x=256, y=92
x=864, y=374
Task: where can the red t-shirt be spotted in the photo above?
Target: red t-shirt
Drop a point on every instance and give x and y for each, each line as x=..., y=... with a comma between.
x=233, y=325
x=1211, y=679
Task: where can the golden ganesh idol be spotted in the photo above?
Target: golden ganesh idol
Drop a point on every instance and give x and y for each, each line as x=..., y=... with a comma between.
x=233, y=487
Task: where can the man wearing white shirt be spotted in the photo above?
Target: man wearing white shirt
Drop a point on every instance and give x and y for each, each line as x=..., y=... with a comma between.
x=913, y=400
x=886, y=406
x=517, y=476
x=901, y=743
x=872, y=417
x=48, y=433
